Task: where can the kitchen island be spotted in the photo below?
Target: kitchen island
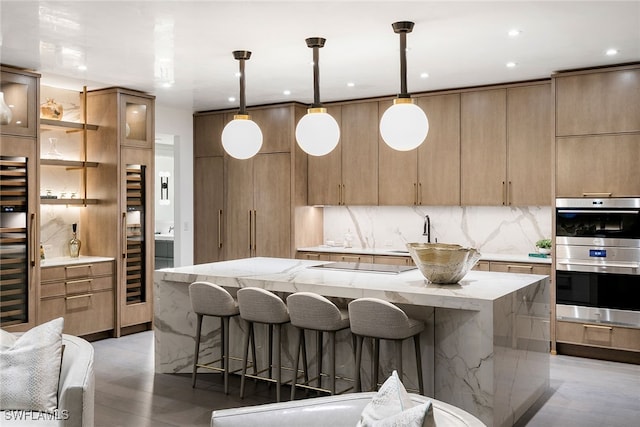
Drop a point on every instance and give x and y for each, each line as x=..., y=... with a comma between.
x=485, y=350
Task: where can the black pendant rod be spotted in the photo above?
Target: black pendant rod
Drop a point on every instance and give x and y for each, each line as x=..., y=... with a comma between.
x=403, y=28
x=316, y=43
x=242, y=56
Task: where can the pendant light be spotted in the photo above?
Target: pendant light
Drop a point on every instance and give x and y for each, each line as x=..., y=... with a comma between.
x=404, y=126
x=242, y=137
x=317, y=131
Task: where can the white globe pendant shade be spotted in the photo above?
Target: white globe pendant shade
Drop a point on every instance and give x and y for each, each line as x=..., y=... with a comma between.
x=317, y=132
x=404, y=126
x=241, y=137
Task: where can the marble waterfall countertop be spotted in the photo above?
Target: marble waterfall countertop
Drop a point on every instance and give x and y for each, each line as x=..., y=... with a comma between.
x=404, y=252
x=409, y=287
x=485, y=348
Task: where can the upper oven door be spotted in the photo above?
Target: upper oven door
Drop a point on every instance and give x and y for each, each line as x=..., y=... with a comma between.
x=597, y=219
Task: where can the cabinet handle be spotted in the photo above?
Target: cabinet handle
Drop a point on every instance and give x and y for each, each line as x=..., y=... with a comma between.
x=219, y=228
x=250, y=247
x=124, y=235
x=504, y=193
x=415, y=193
x=509, y=190
x=255, y=232
x=420, y=193
x=345, y=257
x=71, y=267
x=596, y=194
x=608, y=328
x=73, y=282
x=32, y=230
x=78, y=296
x=342, y=195
x=524, y=267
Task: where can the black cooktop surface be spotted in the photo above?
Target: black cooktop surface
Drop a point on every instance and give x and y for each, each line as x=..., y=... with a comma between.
x=366, y=267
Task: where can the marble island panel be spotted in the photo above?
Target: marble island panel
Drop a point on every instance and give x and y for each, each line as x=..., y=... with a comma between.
x=485, y=348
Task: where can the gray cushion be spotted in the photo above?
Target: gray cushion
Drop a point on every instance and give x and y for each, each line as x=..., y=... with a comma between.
x=258, y=305
x=372, y=317
x=313, y=311
x=212, y=300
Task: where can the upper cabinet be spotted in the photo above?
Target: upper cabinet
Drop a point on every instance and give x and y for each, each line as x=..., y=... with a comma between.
x=19, y=94
x=430, y=174
x=349, y=174
x=598, y=101
x=138, y=127
x=506, y=146
x=598, y=132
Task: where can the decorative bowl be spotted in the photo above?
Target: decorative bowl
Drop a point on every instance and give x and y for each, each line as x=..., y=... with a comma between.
x=443, y=263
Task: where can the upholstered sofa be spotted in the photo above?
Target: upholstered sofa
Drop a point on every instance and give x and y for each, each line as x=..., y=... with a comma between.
x=334, y=411
x=76, y=390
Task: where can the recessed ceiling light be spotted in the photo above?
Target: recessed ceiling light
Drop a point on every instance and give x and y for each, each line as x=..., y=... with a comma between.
x=351, y=84
x=424, y=75
x=286, y=92
x=82, y=67
x=237, y=74
x=511, y=64
x=232, y=99
x=167, y=84
x=514, y=32
x=611, y=52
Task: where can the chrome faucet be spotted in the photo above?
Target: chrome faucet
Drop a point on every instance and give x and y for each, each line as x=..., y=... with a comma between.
x=427, y=228
x=171, y=228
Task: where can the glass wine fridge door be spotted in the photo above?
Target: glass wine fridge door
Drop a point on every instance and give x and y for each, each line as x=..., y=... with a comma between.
x=16, y=227
x=135, y=235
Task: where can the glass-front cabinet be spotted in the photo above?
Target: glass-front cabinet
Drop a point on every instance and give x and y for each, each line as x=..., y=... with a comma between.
x=138, y=126
x=18, y=102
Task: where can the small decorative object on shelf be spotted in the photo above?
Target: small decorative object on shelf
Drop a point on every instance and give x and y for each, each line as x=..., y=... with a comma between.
x=544, y=246
x=74, y=243
x=5, y=111
x=53, y=152
x=51, y=110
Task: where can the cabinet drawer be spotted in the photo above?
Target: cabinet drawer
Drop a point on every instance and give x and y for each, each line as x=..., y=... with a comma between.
x=83, y=314
x=314, y=256
x=88, y=270
x=89, y=284
x=52, y=273
x=523, y=268
x=616, y=337
x=52, y=289
x=352, y=258
x=393, y=260
x=482, y=266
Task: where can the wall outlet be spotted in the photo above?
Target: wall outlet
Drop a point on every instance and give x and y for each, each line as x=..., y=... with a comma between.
x=185, y=226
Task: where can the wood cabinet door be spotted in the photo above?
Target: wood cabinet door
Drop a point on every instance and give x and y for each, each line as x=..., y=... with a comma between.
x=272, y=206
x=484, y=147
x=599, y=102
x=530, y=136
x=360, y=153
x=325, y=172
x=208, y=209
x=397, y=171
x=137, y=126
x=276, y=124
x=239, y=207
x=439, y=155
x=207, y=134
x=598, y=166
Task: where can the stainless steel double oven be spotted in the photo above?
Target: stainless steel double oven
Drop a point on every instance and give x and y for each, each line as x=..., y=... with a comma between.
x=598, y=260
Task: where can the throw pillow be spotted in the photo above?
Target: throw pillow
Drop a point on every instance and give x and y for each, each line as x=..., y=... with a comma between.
x=392, y=406
x=7, y=339
x=30, y=369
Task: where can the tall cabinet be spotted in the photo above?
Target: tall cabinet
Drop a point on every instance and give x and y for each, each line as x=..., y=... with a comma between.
x=19, y=259
x=121, y=225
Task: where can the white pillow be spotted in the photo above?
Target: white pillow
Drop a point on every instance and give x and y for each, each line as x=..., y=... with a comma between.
x=30, y=369
x=392, y=406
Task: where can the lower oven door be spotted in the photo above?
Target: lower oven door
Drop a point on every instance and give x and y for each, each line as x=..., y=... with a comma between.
x=598, y=297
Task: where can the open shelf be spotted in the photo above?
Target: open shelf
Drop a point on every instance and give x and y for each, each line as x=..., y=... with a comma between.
x=49, y=124
x=78, y=202
x=75, y=164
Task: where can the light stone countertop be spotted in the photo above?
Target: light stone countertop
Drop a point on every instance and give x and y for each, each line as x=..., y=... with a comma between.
x=288, y=275
x=66, y=260
x=403, y=252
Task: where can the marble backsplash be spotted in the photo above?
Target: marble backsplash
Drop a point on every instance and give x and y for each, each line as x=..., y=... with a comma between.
x=490, y=229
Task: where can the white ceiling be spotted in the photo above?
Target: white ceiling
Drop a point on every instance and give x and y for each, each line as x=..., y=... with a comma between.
x=144, y=44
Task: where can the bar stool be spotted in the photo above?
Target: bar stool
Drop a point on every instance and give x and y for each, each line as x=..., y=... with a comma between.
x=208, y=299
x=260, y=306
x=315, y=312
x=378, y=319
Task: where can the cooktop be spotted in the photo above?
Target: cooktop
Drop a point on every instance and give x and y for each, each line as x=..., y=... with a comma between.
x=366, y=267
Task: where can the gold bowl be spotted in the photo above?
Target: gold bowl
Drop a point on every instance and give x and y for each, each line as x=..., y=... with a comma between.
x=443, y=263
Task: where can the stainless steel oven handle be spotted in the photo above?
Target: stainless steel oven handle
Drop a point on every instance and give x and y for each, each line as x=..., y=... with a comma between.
x=593, y=264
x=600, y=211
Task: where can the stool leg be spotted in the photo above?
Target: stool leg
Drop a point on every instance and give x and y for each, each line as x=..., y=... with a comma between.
x=416, y=341
x=270, y=366
x=295, y=364
x=332, y=360
x=376, y=362
x=245, y=353
x=398, y=345
x=319, y=357
x=253, y=353
x=356, y=380
x=278, y=379
x=305, y=364
x=196, y=353
x=225, y=352
x=222, y=343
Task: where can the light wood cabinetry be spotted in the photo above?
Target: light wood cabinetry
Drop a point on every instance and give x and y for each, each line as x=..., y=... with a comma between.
x=349, y=174
x=598, y=335
x=392, y=260
x=121, y=224
x=598, y=132
x=429, y=175
x=19, y=191
x=519, y=267
x=81, y=293
x=506, y=146
x=245, y=208
x=599, y=101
